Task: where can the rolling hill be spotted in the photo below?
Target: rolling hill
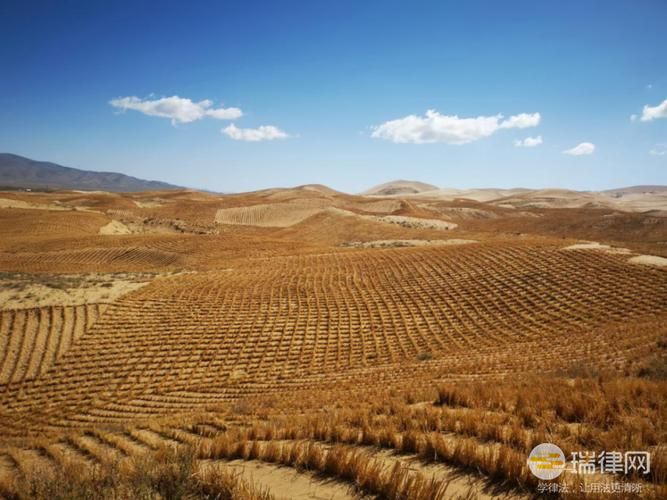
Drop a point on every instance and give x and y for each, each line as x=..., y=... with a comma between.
x=334, y=345
x=645, y=199
x=400, y=187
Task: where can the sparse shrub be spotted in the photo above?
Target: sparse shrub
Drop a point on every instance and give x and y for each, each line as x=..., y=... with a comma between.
x=216, y=483
x=581, y=370
x=424, y=356
x=410, y=442
x=165, y=474
x=656, y=368
x=452, y=396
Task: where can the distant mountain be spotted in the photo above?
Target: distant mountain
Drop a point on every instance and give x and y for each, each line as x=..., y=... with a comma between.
x=400, y=187
x=19, y=172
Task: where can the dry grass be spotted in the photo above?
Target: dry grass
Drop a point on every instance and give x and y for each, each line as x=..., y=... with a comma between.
x=277, y=344
x=165, y=474
x=369, y=475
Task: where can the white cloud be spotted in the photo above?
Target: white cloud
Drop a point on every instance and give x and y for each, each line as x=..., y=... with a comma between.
x=177, y=109
x=262, y=133
x=434, y=127
x=660, y=149
x=654, y=112
x=528, y=142
x=585, y=148
x=523, y=120
x=224, y=113
x=633, y=117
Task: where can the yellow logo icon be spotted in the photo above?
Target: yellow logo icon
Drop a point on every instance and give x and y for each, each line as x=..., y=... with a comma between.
x=546, y=461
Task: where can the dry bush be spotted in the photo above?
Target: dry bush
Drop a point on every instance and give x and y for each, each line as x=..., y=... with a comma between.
x=165, y=474
x=449, y=395
x=492, y=432
x=368, y=474
x=218, y=484
x=655, y=368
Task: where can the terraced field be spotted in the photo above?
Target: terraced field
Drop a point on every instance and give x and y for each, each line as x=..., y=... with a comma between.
x=279, y=349
x=271, y=215
x=33, y=339
x=89, y=260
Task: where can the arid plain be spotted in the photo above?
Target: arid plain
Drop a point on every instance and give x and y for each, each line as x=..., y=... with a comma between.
x=306, y=343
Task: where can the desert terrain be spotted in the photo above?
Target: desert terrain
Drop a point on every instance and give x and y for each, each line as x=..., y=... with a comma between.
x=407, y=343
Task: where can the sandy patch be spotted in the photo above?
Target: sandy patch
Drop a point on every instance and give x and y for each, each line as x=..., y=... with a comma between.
x=459, y=485
x=147, y=204
x=406, y=243
x=648, y=260
x=413, y=222
x=19, y=290
x=594, y=245
x=134, y=224
x=286, y=482
x=115, y=227
x=460, y=212
x=10, y=203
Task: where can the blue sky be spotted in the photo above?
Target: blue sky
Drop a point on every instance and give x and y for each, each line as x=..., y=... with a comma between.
x=349, y=83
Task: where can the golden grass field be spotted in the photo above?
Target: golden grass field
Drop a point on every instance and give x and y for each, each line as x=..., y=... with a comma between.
x=305, y=343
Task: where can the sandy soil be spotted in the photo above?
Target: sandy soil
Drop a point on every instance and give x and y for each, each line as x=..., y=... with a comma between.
x=460, y=484
x=594, y=245
x=9, y=203
x=147, y=204
x=406, y=243
x=27, y=290
x=648, y=260
x=115, y=227
x=460, y=212
x=412, y=222
x=285, y=482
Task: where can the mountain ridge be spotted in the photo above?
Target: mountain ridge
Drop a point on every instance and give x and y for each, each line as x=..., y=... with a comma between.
x=21, y=172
